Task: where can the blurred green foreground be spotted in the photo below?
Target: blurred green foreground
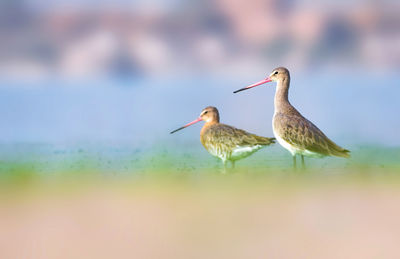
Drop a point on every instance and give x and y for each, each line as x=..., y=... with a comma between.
x=128, y=203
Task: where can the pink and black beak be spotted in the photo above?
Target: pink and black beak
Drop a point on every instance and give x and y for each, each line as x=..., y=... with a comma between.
x=187, y=125
x=266, y=80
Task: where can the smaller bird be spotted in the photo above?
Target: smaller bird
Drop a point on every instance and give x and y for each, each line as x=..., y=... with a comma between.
x=292, y=130
x=226, y=142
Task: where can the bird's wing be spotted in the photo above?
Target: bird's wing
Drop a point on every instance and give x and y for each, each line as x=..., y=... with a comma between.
x=226, y=141
x=234, y=137
x=303, y=134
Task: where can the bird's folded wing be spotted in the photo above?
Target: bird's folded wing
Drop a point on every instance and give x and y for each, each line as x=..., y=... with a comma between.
x=304, y=135
x=229, y=136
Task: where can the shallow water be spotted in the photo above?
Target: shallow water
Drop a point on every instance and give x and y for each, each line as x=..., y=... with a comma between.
x=124, y=159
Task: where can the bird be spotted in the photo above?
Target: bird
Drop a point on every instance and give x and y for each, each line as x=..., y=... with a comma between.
x=291, y=129
x=226, y=142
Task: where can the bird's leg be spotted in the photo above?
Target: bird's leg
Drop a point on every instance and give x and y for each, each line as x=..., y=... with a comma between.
x=294, y=163
x=303, y=165
x=224, y=170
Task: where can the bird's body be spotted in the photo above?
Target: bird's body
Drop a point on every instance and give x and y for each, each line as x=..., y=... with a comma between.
x=229, y=143
x=291, y=129
x=301, y=137
x=226, y=142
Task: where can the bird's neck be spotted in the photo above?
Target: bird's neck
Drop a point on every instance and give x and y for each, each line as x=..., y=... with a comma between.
x=281, y=100
x=208, y=124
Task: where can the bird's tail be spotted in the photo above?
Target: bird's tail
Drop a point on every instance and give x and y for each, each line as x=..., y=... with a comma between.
x=264, y=141
x=339, y=151
x=342, y=153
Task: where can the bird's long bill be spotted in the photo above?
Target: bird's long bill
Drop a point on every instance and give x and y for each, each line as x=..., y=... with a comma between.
x=266, y=80
x=187, y=125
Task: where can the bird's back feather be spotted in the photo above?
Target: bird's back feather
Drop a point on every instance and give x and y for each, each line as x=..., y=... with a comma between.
x=304, y=136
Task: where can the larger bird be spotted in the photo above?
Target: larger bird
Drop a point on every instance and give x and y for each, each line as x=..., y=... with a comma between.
x=226, y=142
x=293, y=131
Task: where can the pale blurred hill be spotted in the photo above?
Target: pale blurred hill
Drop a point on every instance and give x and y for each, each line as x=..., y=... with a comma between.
x=87, y=39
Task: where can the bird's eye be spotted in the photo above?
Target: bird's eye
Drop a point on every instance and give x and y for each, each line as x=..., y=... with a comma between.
x=276, y=72
x=205, y=112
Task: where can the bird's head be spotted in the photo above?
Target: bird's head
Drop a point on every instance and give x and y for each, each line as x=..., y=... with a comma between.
x=277, y=74
x=208, y=114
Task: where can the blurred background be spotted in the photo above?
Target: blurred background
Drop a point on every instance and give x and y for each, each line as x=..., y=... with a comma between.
x=130, y=71
x=90, y=89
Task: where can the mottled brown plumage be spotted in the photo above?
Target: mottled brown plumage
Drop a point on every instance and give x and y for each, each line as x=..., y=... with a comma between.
x=226, y=142
x=227, y=138
x=305, y=136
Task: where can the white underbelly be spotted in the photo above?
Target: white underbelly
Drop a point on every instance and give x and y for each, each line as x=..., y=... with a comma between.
x=281, y=141
x=237, y=153
x=217, y=152
x=286, y=145
x=244, y=151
